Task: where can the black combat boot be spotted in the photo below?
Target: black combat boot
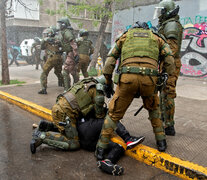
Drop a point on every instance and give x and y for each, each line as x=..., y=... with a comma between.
x=36, y=140
x=170, y=131
x=42, y=91
x=133, y=141
x=47, y=126
x=99, y=153
x=110, y=168
x=162, y=145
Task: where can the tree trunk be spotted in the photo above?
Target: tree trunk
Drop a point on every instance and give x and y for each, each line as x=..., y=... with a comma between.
x=4, y=56
x=102, y=28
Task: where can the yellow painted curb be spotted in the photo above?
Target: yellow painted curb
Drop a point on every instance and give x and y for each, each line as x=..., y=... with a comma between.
x=150, y=156
x=166, y=162
x=27, y=105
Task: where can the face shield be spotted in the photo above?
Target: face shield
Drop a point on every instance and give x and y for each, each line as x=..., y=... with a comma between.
x=61, y=25
x=157, y=12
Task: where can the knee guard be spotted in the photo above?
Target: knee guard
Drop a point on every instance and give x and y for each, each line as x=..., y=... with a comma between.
x=71, y=132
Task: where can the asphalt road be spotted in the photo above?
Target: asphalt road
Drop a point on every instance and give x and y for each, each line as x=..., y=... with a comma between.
x=16, y=160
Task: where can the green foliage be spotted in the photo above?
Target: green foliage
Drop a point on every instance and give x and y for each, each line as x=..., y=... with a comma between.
x=40, y=2
x=15, y=82
x=95, y=11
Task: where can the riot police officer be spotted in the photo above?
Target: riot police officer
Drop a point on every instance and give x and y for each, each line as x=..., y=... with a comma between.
x=36, y=50
x=69, y=46
x=53, y=59
x=171, y=28
x=139, y=49
x=85, y=50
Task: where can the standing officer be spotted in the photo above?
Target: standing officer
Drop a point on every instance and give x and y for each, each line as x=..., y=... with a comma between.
x=36, y=50
x=53, y=54
x=69, y=46
x=85, y=49
x=172, y=30
x=139, y=49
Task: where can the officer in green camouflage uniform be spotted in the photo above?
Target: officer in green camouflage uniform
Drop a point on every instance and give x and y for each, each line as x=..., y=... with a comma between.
x=85, y=49
x=85, y=97
x=36, y=50
x=139, y=49
x=69, y=45
x=172, y=30
x=54, y=51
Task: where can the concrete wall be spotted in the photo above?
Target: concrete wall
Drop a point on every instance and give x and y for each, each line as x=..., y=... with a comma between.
x=193, y=16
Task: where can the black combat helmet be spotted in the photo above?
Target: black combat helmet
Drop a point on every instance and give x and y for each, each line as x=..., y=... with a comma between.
x=83, y=32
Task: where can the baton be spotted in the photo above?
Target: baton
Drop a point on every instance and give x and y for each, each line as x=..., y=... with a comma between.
x=138, y=110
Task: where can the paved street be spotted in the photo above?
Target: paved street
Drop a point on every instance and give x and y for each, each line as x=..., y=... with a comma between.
x=189, y=143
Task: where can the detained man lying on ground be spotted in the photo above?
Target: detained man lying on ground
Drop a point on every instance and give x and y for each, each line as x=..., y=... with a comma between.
x=89, y=129
x=78, y=116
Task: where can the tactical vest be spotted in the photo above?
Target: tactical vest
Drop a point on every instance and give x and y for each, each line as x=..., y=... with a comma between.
x=52, y=49
x=65, y=41
x=84, y=47
x=172, y=28
x=140, y=43
x=78, y=97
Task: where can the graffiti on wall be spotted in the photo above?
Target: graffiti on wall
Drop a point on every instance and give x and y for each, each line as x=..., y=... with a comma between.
x=194, y=50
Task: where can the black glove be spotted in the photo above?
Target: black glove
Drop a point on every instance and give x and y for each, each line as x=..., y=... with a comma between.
x=77, y=59
x=108, y=90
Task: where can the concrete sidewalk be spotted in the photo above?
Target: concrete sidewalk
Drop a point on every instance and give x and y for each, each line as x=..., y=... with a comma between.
x=190, y=142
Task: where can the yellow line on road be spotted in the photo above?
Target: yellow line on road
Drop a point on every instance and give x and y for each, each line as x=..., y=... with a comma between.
x=150, y=156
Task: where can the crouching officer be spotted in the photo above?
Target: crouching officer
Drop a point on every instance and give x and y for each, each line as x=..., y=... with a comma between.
x=82, y=106
x=54, y=51
x=139, y=49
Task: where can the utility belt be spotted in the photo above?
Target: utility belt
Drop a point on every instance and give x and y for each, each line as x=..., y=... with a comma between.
x=139, y=70
x=51, y=53
x=135, y=70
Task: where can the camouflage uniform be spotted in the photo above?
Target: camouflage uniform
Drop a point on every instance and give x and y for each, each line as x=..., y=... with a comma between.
x=54, y=60
x=36, y=50
x=80, y=100
x=172, y=30
x=71, y=65
x=139, y=50
x=85, y=49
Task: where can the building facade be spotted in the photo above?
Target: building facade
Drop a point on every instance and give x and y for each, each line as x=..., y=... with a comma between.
x=29, y=19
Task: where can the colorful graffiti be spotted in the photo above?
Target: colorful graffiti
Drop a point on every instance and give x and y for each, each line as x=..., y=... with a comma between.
x=194, y=50
x=197, y=20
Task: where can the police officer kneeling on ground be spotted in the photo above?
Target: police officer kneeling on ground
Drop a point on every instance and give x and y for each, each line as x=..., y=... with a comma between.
x=139, y=49
x=82, y=106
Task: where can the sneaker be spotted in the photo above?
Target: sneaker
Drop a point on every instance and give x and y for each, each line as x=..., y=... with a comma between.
x=170, y=131
x=36, y=141
x=133, y=141
x=162, y=145
x=99, y=153
x=110, y=168
x=42, y=91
